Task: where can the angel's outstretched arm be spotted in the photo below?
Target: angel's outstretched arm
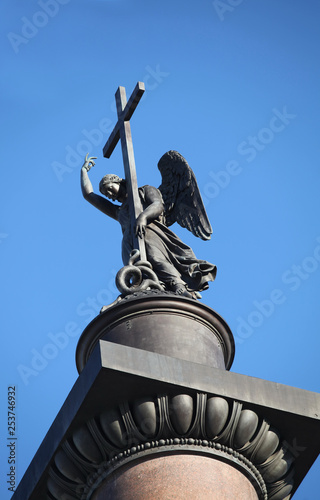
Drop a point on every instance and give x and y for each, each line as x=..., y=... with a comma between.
x=96, y=200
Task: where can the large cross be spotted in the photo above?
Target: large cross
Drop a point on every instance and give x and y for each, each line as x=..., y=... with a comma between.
x=122, y=131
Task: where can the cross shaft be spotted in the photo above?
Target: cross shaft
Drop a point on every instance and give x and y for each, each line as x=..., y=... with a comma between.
x=122, y=131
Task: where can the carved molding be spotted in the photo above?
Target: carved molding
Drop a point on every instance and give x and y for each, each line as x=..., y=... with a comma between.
x=164, y=424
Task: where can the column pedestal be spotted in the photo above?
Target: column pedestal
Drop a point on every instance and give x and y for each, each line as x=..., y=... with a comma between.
x=155, y=413
x=164, y=323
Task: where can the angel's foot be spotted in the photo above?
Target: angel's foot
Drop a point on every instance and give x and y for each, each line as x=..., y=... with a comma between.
x=180, y=289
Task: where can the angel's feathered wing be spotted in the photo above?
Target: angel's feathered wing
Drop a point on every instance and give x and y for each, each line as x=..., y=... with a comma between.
x=181, y=195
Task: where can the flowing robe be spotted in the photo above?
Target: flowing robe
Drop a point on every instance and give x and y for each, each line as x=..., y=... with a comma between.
x=171, y=259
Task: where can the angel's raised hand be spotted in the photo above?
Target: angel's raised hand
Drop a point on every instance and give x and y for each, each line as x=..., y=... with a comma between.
x=88, y=162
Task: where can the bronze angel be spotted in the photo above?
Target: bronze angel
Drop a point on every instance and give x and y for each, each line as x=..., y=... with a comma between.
x=176, y=200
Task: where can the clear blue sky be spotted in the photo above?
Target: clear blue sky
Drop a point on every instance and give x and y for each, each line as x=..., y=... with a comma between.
x=235, y=89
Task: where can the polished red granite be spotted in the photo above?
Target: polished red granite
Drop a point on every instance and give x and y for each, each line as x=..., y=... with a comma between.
x=177, y=477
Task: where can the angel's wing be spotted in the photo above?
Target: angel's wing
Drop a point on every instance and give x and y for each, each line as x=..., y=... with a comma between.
x=181, y=195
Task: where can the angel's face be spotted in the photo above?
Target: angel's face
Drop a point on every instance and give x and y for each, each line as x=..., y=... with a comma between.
x=111, y=191
x=115, y=192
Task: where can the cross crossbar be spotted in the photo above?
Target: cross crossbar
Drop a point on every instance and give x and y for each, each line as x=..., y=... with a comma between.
x=124, y=116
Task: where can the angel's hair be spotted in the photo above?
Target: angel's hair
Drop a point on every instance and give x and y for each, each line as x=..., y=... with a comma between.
x=110, y=179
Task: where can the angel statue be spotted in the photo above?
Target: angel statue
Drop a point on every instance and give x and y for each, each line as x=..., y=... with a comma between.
x=176, y=200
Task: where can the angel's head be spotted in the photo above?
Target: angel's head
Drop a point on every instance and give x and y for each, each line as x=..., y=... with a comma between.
x=113, y=187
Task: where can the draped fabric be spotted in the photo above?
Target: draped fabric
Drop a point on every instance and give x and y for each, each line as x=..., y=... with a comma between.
x=171, y=259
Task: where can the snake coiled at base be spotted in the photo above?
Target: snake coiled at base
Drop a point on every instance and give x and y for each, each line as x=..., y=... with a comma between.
x=137, y=276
